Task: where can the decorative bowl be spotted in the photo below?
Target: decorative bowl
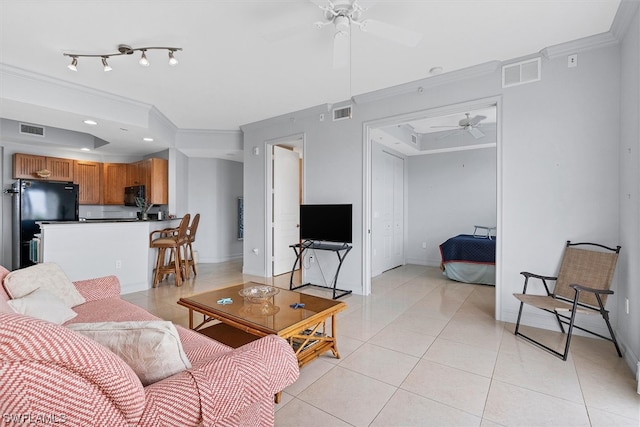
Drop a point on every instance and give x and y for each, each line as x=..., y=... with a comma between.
x=259, y=293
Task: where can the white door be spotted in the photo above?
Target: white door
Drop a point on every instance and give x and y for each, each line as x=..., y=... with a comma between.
x=388, y=211
x=286, y=208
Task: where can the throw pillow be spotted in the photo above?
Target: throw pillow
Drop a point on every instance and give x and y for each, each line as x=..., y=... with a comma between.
x=151, y=348
x=47, y=276
x=42, y=304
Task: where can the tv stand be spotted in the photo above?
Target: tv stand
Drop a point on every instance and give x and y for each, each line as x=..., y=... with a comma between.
x=340, y=249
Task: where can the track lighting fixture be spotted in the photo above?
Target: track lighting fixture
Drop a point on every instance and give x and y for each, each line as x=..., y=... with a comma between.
x=123, y=49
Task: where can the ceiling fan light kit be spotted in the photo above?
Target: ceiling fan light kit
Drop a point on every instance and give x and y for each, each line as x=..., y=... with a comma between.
x=123, y=49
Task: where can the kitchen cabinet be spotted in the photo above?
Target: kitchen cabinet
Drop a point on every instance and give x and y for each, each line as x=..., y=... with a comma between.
x=135, y=173
x=114, y=179
x=155, y=178
x=88, y=176
x=27, y=166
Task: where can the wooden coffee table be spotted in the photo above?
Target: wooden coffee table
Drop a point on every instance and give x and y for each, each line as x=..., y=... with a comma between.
x=304, y=328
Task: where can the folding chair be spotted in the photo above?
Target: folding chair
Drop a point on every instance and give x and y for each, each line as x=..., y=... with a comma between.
x=582, y=286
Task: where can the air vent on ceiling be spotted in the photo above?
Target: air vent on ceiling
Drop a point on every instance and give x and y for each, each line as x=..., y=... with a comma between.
x=414, y=139
x=342, y=113
x=521, y=72
x=31, y=129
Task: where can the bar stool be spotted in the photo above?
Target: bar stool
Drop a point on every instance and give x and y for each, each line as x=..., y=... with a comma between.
x=172, y=239
x=189, y=261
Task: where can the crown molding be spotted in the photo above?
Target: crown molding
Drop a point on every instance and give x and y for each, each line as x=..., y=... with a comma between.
x=418, y=86
x=623, y=18
x=597, y=41
x=289, y=118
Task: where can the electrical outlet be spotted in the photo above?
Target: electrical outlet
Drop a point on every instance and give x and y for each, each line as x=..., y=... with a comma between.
x=572, y=60
x=312, y=259
x=118, y=263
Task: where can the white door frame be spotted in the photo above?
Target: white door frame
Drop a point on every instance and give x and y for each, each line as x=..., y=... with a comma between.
x=268, y=218
x=366, y=197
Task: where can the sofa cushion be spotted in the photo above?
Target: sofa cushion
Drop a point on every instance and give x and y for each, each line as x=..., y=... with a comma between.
x=44, y=305
x=151, y=348
x=47, y=276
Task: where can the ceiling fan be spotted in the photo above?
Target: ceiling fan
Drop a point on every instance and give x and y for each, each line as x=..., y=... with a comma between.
x=468, y=124
x=344, y=14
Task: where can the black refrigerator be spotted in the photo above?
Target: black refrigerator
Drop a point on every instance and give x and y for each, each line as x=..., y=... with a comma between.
x=38, y=201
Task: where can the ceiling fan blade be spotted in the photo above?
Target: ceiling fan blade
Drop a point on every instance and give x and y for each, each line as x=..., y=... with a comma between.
x=399, y=35
x=340, y=49
x=444, y=126
x=477, y=119
x=475, y=132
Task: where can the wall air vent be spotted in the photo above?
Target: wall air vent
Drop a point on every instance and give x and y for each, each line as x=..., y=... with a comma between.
x=414, y=139
x=28, y=129
x=342, y=113
x=521, y=72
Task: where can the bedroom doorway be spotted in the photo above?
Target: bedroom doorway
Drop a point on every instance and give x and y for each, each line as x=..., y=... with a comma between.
x=284, y=187
x=451, y=157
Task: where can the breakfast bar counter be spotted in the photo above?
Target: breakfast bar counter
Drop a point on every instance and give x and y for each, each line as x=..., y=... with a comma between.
x=103, y=247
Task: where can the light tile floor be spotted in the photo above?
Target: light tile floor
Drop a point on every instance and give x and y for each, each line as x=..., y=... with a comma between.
x=423, y=350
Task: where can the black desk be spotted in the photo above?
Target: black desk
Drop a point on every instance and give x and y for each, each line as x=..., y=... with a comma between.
x=340, y=249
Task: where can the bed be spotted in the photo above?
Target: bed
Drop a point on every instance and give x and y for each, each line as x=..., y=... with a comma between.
x=470, y=258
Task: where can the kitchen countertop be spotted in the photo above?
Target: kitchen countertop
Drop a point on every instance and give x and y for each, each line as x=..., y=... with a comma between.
x=106, y=220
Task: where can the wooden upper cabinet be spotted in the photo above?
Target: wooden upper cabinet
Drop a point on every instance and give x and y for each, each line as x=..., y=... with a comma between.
x=28, y=166
x=156, y=180
x=135, y=175
x=88, y=176
x=114, y=179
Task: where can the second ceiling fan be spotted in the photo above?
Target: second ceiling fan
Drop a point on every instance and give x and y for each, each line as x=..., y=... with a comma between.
x=468, y=124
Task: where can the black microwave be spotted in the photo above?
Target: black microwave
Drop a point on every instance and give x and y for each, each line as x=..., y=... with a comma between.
x=133, y=192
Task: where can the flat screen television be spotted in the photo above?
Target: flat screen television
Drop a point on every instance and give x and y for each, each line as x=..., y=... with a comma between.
x=328, y=223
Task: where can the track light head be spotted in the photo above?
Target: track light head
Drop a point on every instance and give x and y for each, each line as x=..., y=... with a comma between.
x=172, y=60
x=143, y=59
x=105, y=65
x=74, y=64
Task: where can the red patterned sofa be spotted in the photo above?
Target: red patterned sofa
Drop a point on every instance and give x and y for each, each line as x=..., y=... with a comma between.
x=49, y=373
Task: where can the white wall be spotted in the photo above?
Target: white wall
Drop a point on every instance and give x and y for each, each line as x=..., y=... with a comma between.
x=629, y=193
x=215, y=186
x=449, y=193
x=558, y=159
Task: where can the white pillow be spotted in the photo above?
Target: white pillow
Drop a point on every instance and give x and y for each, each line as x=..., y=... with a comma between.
x=42, y=304
x=151, y=348
x=47, y=276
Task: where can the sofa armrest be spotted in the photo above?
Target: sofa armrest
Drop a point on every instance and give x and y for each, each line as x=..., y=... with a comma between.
x=99, y=288
x=49, y=369
x=228, y=383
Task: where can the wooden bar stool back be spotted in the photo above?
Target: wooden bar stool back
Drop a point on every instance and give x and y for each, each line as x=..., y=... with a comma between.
x=190, y=263
x=171, y=239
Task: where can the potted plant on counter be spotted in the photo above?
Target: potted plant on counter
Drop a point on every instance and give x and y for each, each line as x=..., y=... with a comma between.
x=144, y=207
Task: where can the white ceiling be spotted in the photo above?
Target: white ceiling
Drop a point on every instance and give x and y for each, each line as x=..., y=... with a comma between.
x=245, y=61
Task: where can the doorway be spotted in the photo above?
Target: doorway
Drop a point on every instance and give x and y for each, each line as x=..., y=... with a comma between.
x=284, y=190
x=463, y=131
